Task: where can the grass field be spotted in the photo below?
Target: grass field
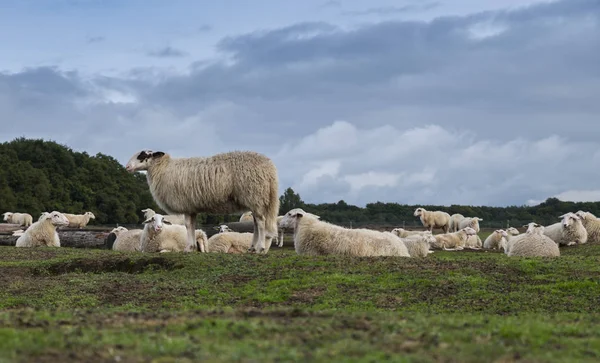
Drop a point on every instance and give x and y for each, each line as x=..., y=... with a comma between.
x=61, y=305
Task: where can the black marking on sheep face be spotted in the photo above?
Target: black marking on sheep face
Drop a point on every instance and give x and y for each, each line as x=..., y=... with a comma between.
x=144, y=155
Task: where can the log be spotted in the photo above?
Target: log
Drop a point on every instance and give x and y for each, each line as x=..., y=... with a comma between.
x=76, y=239
x=9, y=227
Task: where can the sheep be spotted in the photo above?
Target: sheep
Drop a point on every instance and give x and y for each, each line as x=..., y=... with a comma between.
x=401, y=232
x=455, y=220
x=570, y=231
x=43, y=233
x=159, y=235
x=418, y=244
x=453, y=241
x=127, y=240
x=79, y=220
x=279, y=238
x=18, y=232
x=472, y=222
x=473, y=242
x=591, y=224
x=247, y=217
x=228, y=241
x=173, y=218
x=22, y=219
x=533, y=243
x=511, y=231
x=494, y=240
x=43, y=216
x=222, y=183
x=313, y=237
x=436, y=219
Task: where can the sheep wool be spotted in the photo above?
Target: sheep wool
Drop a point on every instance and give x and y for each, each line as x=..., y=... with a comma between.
x=418, y=245
x=532, y=243
x=227, y=241
x=453, y=241
x=570, y=231
x=591, y=224
x=494, y=240
x=455, y=220
x=43, y=233
x=472, y=222
x=127, y=240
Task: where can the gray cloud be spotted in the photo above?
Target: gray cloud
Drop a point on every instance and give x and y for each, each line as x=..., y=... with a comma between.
x=167, y=52
x=492, y=108
x=393, y=10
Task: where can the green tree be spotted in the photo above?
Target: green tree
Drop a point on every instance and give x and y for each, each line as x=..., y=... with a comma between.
x=289, y=200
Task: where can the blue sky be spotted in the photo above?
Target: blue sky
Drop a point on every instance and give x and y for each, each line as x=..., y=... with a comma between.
x=421, y=102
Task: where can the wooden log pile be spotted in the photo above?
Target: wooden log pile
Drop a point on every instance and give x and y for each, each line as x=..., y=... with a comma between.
x=70, y=238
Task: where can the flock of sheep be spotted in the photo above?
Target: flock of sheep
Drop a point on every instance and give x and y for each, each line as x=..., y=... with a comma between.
x=237, y=181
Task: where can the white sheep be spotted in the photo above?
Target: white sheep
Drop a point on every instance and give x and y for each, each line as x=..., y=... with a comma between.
x=22, y=219
x=453, y=241
x=474, y=242
x=570, y=231
x=455, y=220
x=43, y=215
x=127, y=240
x=173, y=218
x=228, y=241
x=472, y=222
x=18, y=232
x=247, y=217
x=436, y=219
x=159, y=235
x=591, y=224
x=494, y=240
x=418, y=245
x=401, y=232
x=314, y=237
x=79, y=220
x=223, y=183
x=512, y=231
x=43, y=233
x=533, y=243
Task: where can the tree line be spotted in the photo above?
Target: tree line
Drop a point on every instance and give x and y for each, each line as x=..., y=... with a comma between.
x=38, y=175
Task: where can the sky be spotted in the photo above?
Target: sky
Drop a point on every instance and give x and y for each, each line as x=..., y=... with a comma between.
x=474, y=102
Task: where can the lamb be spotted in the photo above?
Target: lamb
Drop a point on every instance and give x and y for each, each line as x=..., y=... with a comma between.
x=159, y=235
x=453, y=241
x=43, y=233
x=127, y=240
x=79, y=220
x=455, y=220
x=228, y=241
x=436, y=219
x=472, y=222
x=494, y=240
x=591, y=224
x=570, y=231
x=418, y=244
x=223, y=183
x=22, y=219
x=313, y=237
x=533, y=243
x=402, y=233
x=173, y=218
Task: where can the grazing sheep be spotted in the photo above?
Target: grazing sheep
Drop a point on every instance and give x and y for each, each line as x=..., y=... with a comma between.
x=22, y=219
x=127, y=240
x=223, y=183
x=436, y=219
x=79, y=220
x=173, y=218
x=472, y=222
x=570, y=231
x=402, y=233
x=494, y=240
x=247, y=217
x=418, y=244
x=455, y=220
x=591, y=224
x=533, y=243
x=453, y=241
x=43, y=233
x=313, y=237
x=228, y=241
x=159, y=235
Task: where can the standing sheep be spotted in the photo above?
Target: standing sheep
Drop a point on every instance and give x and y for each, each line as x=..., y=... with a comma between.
x=43, y=233
x=591, y=224
x=436, y=219
x=223, y=183
x=494, y=240
x=159, y=235
x=79, y=220
x=472, y=222
x=22, y=219
x=570, y=231
x=127, y=240
x=532, y=243
x=455, y=220
x=453, y=241
x=313, y=237
x=173, y=218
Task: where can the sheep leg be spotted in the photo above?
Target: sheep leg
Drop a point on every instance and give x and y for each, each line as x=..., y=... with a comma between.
x=260, y=244
x=252, y=248
x=280, y=241
x=190, y=220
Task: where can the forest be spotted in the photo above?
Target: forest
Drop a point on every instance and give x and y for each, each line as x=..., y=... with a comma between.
x=37, y=175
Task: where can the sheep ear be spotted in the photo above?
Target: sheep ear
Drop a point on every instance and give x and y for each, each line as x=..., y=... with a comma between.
x=148, y=220
x=480, y=219
x=216, y=228
x=158, y=154
x=167, y=222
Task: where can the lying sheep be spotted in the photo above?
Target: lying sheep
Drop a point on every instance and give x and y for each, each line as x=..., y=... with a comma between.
x=247, y=217
x=127, y=240
x=591, y=224
x=455, y=220
x=228, y=241
x=532, y=243
x=436, y=219
x=418, y=244
x=494, y=240
x=401, y=232
x=453, y=241
x=43, y=233
x=22, y=219
x=79, y=220
x=570, y=231
x=472, y=222
x=173, y=218
x=473, y=242
x=511, y=231
x=223, y=183
x=159, y=235
x=313, y=237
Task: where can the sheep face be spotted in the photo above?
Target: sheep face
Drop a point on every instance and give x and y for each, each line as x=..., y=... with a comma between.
x=290, y=218
x=418, y=212
x=118, y=230
x=7, y=216
x=142, y=160
x=512, y=231
x=534, y=228
x=90, y=214
x=157, y=222
x=57, y=219
x=469, y=231
x=569, y=220
x=224, y=228
x=501, y=232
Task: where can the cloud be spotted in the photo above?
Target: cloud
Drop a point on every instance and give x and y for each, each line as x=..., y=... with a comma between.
x=393, y=10
x=94, y=39
x=167, y=52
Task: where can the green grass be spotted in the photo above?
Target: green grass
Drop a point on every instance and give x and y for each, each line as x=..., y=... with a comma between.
x=94, y=305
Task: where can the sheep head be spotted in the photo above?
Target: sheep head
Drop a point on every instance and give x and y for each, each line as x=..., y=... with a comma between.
x=419, y=212
x=224, y=228
x=157, y=222
x=534, y=228
x=512, y=231
x=57, y=219
x=118, y=230
x=501, y=232
x=142, y=160
x=7, y=216
x=569, y=219
x=90, y=214
x=469, y=231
